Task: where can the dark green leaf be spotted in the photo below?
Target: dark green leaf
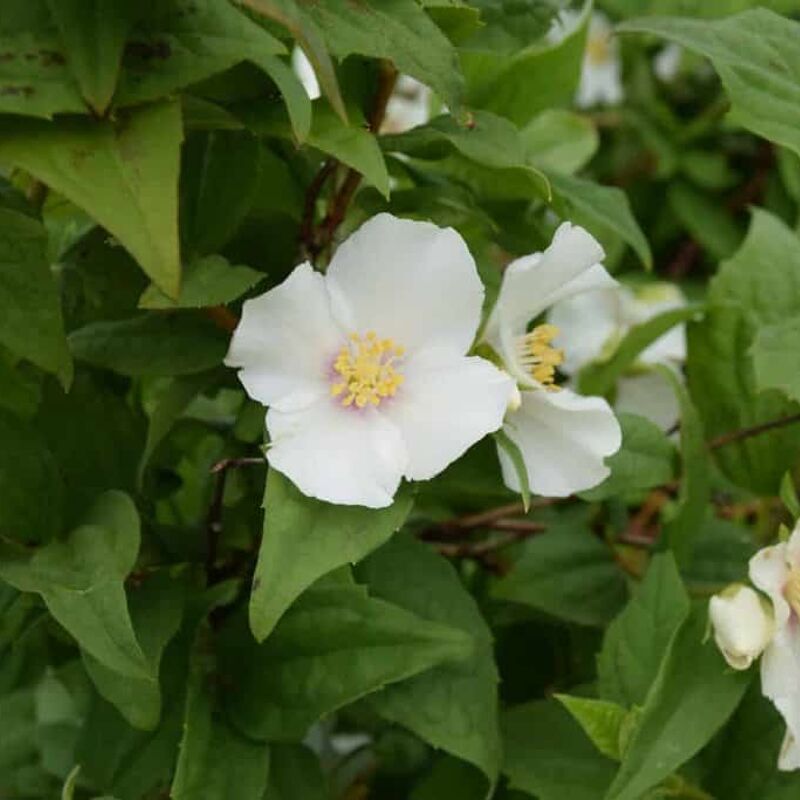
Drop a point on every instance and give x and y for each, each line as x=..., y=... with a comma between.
x=511, y=449
x=295, y=772
x=637, y=640
x=151, y=344
x=305, y=539
x=454, y=705
x=31, y=324
x=333, y=646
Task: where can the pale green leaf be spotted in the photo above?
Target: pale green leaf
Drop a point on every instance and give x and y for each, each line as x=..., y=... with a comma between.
x=560, y=140
x=601, y=720
x=776, y=357
x=124, y=174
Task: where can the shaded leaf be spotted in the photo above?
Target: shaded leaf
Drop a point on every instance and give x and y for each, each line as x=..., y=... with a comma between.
x=776, y=358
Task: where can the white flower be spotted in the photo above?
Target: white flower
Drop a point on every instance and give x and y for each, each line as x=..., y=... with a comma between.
x=408, y=106
x=601, y=70
x=776, y=571
x=563, y=437
x=743, y=624
x=591, y=326
x=667, y=62
x=364, y=368
x=305, y=72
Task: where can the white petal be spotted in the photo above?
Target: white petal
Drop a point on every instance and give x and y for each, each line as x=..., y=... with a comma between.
x=769, y=572
x=445, y=405
x=411, y=281
x=564, y=439
x=789, y=757
x=649, y=395
x=780, y=667
x=533, y=283
x=305, y=72
x=285, y=342
x=586, y=322
x=793, y=547
x=342, y=455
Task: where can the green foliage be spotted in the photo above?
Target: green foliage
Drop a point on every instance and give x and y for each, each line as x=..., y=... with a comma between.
x=177, y=619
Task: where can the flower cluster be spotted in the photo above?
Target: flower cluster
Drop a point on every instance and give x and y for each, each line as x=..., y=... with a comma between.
x=748, y=626
x=369, y=379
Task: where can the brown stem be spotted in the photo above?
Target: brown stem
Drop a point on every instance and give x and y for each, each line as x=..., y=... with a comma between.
x=337, y=210
x=222, y=317
x=485, y=552
x=37, y=194
x=755, y=430
x=310, y=206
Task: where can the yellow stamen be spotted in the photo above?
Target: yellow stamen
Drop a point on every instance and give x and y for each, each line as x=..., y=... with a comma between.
x=538, y=357
x=598, y=48
x=791, y=590
x=366, y=370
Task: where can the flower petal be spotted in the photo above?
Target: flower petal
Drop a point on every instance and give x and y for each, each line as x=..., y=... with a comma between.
x=789, y=757
x=564, y=439
x=650, y=395
x=586, y=322
x=780, y=666
x=411, y=281
x=341, y=455
x=445, y=405
x=769, y=572
x=285, y=341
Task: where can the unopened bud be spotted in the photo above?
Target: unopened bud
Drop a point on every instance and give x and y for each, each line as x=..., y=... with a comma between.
x=743, y=624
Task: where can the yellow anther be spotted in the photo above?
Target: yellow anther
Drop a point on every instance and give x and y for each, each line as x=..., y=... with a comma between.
x=598, y=48
x=791, y=590
x=538, y=357
x=366, y=370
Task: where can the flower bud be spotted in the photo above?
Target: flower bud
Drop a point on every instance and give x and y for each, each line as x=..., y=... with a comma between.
x=743, y=624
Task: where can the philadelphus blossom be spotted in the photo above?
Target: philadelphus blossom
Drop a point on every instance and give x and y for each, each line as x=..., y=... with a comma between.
x=364, y=368
x=563, y=437
x=601, y=70
x=305, y=72
x=408, y=106
x=743, y=624
x=591, y=326
x=744, y=629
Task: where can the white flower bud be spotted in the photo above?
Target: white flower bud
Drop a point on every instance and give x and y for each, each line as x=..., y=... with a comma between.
x=743, y=624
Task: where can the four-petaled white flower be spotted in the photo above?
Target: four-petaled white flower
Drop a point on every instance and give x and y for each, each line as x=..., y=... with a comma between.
x=592, y=324
x=364, y=368
x=563, y=437
x=743, y=624
x=776, y=571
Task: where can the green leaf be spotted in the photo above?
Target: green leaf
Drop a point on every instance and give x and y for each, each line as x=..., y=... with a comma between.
x=491, y=153
x=124, y=175
x=305, y=539
x=298, y=103
x=637, y=640
x=31, y=323
x=35, y=79
x=171, y=405
x=528, y=80
x=560, y=140
x=398, y=30
x=182, y=42
x=511, y=449
x=453, y=706
x=215, y=762
x=601, y=720
x=295, y=772
x=567, y=572
x=94, y=36
x=20, y=392
x=81, y=582
x=156, y=609
x=601, y=209
x=776, y=358
x=31, y=487
x=310, y=38
x=601, y=378
x=219, y=178
x=68, y=792
x=449, y=777
x=722, y=550
x=333, y=646
x=753, y=52
x=151, y=344
x=788, y=495
x=207, y=281
x=695, y=492
x=692, y=678
x=700, y=213
x=351, y=145
x=548, y=755
x=646, y=459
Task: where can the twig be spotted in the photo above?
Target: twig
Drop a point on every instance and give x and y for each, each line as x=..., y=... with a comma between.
x=310, y=206
x=37, y=194
x=755, y=430
x=222, y=317
x=214, y=516
x=321, y=239
x=498, y=518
